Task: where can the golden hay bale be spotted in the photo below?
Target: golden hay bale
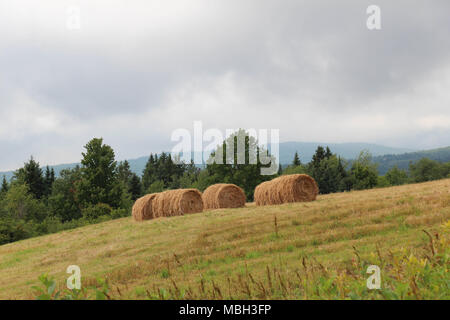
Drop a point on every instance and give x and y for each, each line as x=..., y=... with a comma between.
x=223, y=195
x=289, y=188
x=143, y=209
x=177, y=202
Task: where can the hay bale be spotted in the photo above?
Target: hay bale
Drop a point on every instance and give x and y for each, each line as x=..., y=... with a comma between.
x=177, y=202
x=289, y=188
x=143, y=209
x=223, y=195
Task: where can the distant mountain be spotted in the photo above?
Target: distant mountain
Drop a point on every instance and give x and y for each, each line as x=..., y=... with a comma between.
x=387, y=161
x=344, y=150
x=287, y=151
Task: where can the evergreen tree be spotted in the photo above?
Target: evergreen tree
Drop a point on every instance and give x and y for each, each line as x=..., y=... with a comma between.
x=318, y=156
x=5, y=186
x=149, y=174
x=99, y=179
x=329, y=175
x=135, y=187
x=129, y=179
x=49, y=179
x=31, y=175
x=328, y=153
x=296, y=162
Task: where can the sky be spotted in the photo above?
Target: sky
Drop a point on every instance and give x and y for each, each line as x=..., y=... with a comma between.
x=132, y=72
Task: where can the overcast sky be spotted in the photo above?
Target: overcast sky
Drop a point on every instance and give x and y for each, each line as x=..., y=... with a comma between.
x=137, y=70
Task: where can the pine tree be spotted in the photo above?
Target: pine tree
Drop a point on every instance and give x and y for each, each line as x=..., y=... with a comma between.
x=5, y=186
x=99, y=179
x=135, y=187
x=318, y=157
x=149, y=174
x=124, y=172
x=31, y=174
x=49, y=179
x=328, y=153
x=296, y=161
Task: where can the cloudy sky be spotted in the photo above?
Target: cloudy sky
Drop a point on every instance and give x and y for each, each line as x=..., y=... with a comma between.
x=137, y=70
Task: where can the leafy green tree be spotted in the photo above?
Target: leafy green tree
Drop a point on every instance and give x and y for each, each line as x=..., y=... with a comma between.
x=157, y=186
x=99, y=181
x=204, y=180
x=13, y=229
x=446, y=170
x=383, y=182
x=20, y=203
x=426, y=170
x=63, y=201
x=96, y=211
x=223, y=165
x=301, y=169
x=363, y=173
x=396, y=177
x=31, y=174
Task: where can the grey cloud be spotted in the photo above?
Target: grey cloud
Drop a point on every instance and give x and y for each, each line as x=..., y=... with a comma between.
x=133, y=59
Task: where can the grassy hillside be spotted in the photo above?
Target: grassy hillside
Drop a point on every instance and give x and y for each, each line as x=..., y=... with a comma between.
x=257, y=252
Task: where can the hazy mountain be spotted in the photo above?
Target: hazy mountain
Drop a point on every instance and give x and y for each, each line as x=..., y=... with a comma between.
x=345, y=150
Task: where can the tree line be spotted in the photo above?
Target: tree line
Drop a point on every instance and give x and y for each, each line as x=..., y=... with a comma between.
x=36, y=202
x=334, y=174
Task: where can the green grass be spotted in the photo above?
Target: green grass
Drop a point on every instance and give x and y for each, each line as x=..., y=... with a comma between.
x=241, y=253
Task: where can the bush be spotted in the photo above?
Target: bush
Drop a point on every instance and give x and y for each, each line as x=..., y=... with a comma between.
x=119, y=213
x=97, y=211
x=396, y=177
x=382, y=182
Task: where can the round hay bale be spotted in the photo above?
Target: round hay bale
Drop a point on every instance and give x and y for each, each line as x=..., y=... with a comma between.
x=289, y=188
x=177, y=202
x=223, y=195
x=143, y=209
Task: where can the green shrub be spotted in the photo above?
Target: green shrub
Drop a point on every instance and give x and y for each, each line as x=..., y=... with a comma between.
x=97, y=211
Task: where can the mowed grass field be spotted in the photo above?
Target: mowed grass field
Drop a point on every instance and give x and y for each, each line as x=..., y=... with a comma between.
x=251, y=252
